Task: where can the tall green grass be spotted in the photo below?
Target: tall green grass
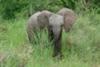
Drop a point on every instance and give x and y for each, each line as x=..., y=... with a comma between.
x=16, y=51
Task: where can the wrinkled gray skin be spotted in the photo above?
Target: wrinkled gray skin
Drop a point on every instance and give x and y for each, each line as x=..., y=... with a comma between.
x=52, y=22
x=69, y=18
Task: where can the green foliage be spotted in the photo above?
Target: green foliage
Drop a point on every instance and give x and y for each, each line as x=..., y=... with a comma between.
x=23, y=8
x=10, y=8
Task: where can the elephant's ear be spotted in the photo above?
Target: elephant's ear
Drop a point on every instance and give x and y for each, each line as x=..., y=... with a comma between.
x=69, y=18
x=43, y=18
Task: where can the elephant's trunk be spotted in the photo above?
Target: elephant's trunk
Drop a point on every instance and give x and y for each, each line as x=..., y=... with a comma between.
x=57, y=43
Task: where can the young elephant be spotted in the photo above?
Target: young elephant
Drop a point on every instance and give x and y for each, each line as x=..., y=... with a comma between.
x=52, y=22
x=69, y=18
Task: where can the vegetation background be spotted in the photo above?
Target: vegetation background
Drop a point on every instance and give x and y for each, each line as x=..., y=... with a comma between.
x=81, y=46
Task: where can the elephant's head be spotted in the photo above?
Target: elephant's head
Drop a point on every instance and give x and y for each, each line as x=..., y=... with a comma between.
x=56, y=23
x=51, y=20
x=69, y=18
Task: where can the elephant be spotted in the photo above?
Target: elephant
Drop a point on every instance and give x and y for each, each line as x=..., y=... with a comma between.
x=54, y=24
x=47, y=19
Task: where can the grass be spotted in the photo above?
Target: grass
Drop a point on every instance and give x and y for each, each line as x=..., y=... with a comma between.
x=82, y=51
